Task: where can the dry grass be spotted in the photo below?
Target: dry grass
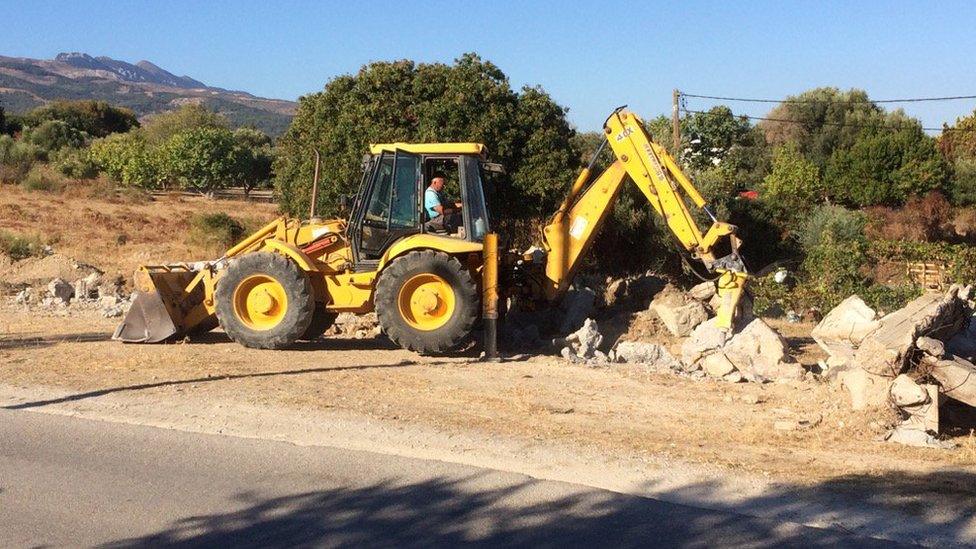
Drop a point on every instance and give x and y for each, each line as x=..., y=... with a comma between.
x=117, y=231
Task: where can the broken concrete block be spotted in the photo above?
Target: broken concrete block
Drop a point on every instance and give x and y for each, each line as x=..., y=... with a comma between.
x=931, y=347
x=61, y=290
x=845, y=326
x=885, y=350
x=760, y=353
x=963, y=344
x=866, y=389
x=576, y=307
x=905, y=392
x=703, y=291
x=25, y=296
x=923, y=414
x=958, y=379
x=645, y=353
x=717, y=365
x=680, y=316
x=911, y=436
x=705, y=338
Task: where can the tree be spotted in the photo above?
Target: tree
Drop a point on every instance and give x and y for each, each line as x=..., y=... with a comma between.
x=708, y=137
x=821, y=121
x=256, y=155
x=886, y=166
x=794, y=185
x=128, y=159
x=959, y=140
x=161, y=127
x=95, y=118
x=470, y=100
x=204, y=159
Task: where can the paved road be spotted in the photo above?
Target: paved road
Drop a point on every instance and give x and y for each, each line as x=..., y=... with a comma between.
x=76, y=482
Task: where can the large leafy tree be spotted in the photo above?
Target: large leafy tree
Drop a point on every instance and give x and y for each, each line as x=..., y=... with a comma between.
x=96, y=118
x=794, y=185
x=205, y=159
x=886, y=165
x=470, y=100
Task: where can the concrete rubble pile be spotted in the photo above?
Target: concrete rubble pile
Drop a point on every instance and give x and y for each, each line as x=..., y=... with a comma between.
x=89, y=292
x=909, y=359
x=755, y=352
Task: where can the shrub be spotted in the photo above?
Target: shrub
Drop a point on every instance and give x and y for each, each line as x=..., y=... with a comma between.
x=922, y=219
x=19, y=247
x=963, y=188
x=75, y=163
x=43, y=178
x=215, y=231
x=16, y=159
x=838, y=224
x=53, y=135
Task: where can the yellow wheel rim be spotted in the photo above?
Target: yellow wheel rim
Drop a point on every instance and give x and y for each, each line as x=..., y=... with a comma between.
x=260, y=302
x=426, y=302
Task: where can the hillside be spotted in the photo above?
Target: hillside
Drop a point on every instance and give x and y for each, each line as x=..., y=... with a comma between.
x=143, y=87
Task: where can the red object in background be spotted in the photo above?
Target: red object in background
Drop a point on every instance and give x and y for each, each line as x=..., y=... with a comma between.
x=749, y=195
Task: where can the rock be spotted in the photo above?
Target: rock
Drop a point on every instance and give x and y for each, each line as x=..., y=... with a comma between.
x=845, y=326
x=61, y=290
x=615, y=291
x=576, y=307
x=704, y=338
x=115, y=311
x=25, y=296
x=703, y=292
x=759, y=352
x=916, y=437
x=866, y=390
x=792, y=316
x=637, y=352
x=905, y=392
x=751, y=398
x=958, y=379
x=679, y=315
x=797, y=424
x=931, y=347
x=885, y=350
x=717, y=365
x=923, y=414
x=87, y=288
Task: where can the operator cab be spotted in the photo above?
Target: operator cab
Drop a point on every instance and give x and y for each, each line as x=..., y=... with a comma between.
x=390, y=203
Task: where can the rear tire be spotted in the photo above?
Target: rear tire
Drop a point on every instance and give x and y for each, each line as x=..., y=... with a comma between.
x=264, y=301
x=426, y=302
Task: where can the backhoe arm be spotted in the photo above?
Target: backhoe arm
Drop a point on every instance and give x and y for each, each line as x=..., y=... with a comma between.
x=573, y=228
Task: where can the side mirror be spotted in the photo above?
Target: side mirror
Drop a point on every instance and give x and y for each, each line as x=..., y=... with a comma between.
x=345, y=202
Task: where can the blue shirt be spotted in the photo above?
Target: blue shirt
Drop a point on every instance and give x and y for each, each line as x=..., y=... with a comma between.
x=432, y=198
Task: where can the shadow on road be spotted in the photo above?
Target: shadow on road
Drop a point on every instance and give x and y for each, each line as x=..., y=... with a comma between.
x=442, y=512
x=143, y=386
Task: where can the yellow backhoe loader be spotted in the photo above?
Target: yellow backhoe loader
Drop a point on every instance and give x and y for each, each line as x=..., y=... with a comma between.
x=289, y=280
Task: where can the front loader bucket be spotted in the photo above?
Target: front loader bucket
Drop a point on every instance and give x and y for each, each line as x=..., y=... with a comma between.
x=168, y=305
x=148, y=321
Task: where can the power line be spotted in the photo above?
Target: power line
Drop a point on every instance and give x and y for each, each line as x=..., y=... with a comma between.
x=838, y=124
x=829, y=101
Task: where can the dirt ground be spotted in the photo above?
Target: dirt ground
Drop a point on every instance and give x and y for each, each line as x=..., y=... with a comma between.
x=620, y=410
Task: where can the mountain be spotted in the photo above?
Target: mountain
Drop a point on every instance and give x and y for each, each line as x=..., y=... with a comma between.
x=143, y=87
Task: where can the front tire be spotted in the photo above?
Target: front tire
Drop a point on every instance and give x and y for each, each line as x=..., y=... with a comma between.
x=264, y=301
x=426, y=302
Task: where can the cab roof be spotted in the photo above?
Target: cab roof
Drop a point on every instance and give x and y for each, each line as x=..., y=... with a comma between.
x=431, y=148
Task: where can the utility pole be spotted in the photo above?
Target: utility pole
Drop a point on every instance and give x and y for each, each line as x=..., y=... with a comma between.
x=675, y=124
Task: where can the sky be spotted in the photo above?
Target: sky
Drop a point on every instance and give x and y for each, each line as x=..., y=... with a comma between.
x=590, y=56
